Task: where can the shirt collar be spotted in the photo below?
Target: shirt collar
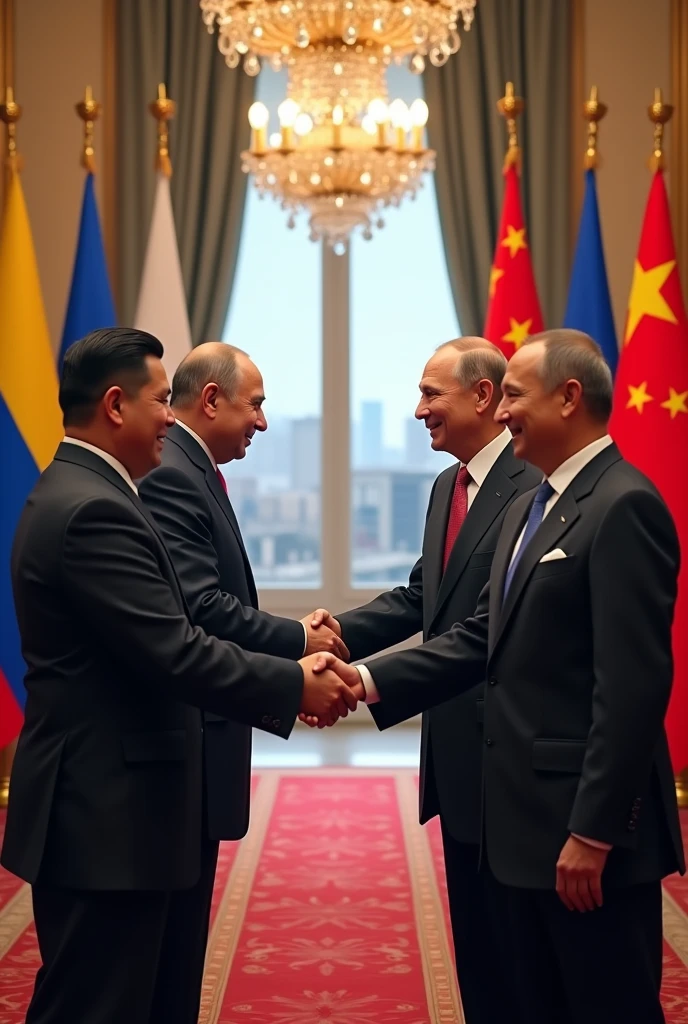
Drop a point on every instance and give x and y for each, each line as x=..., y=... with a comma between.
x=481, y=463
x=106, y=457
x=565, y=474
x=198, y=440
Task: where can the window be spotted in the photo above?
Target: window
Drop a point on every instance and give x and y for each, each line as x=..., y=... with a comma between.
x=275, y=316
x=311, y=522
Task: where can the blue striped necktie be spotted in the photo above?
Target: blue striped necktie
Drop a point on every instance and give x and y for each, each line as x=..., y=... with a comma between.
x=535, y=517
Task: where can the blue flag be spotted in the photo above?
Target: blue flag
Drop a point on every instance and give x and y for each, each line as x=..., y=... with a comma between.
x=90, y=303
x=589, y=307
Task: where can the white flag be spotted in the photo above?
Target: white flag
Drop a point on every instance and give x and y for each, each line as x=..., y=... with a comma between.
x=161, y=309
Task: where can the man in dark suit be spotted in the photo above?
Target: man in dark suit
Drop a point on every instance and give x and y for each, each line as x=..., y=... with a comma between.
x=105, y=808
x=460, y=392
x=217, y=400
x=573, y=632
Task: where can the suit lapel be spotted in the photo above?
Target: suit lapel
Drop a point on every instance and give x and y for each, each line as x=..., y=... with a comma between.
x=494, y=494
x=436, y=531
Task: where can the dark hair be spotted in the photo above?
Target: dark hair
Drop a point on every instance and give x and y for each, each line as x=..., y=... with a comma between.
x=571, y=354
x=113, y=355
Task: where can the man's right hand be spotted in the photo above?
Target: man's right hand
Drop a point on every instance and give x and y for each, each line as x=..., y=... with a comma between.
x=323, y=637
x=325, y=696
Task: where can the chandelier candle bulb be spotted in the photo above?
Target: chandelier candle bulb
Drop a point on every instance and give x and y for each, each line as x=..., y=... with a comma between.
x=337, y=118
x=258, y=117
x=419, y=118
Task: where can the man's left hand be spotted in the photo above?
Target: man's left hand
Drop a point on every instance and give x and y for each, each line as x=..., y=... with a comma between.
x=579, y=875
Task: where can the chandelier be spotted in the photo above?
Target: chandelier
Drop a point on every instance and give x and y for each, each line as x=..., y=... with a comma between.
x=343, y=152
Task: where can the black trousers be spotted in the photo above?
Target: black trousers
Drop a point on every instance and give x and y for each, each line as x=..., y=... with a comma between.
x=121, y=957
x=478, y=913
x=593, y=968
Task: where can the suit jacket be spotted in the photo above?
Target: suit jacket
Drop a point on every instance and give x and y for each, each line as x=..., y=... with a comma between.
x=451, y=740
x=202, y=535
x=579, y=671
x=106, y=789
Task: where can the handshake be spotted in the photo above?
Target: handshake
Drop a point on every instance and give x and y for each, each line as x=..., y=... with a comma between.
x=331, y=687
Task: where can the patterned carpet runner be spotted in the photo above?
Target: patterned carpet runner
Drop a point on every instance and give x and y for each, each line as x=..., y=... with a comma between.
x=332, y=911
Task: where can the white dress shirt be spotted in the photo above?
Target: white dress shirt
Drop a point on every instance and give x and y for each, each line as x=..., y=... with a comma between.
x=106, y=457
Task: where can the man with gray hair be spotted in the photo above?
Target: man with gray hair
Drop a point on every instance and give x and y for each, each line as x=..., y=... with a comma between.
x=217, y=400
x=573, y=632
x=459, y=392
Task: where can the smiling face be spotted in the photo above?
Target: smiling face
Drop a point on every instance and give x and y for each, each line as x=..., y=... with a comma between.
x=453, y=412
x=143, y=417
x=536, y=418
x=237, y=419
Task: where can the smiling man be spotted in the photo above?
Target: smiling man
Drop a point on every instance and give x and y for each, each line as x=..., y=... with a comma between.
x=460, y=392
x=217, y=399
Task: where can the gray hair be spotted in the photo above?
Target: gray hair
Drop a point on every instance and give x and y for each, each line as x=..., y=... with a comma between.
x=574, y=355
x=212, y=362
x=478, y=360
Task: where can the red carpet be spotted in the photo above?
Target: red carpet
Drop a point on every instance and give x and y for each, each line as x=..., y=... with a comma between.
x=332, y=911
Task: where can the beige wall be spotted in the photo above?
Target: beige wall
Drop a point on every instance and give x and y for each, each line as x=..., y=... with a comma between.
x=627, y=51
x=58, y=52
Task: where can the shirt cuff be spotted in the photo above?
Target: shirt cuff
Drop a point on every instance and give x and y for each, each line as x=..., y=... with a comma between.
x=372, y=695
x=597, y=843
x=305, y=640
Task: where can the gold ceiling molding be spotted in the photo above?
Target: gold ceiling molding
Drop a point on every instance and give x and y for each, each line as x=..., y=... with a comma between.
x=679, y=134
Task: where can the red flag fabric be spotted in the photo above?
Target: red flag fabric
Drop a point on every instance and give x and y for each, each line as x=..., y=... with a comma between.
x=650, y=418
x=513, y=309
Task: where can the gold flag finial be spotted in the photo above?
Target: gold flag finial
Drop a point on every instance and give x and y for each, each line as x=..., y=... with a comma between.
x=163, y=110
x=593, y=112
x=659, y=113
x=10, y=112
x=510, y=106
x=89, y=111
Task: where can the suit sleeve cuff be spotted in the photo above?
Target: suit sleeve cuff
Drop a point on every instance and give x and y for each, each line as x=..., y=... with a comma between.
x=305, y=640
x=371, y=692
x=598, y=844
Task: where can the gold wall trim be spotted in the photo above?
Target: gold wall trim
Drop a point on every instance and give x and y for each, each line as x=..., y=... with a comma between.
x=678, y=161
x=109, y=161
x=579, y=91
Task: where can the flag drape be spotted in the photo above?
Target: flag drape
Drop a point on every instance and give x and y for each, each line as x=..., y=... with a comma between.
x=650, y=417
x=589, y=306
x=90, y=304
x=513, y=311
x=161, y=308
x=30, y=422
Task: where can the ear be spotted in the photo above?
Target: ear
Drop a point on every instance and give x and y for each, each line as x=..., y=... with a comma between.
x=112, y=404
x=572, y=396
x=209, y=396
x=484, y=393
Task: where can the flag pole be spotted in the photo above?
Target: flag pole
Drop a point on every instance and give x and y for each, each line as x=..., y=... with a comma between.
x=10, y=113
x=510, y=106
x=163, y=110
x=660, y=114
x=593, y=112
x=89, y=111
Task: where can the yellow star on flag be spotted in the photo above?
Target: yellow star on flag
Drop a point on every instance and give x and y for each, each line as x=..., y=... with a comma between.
x=519, y=332
x=646, y=298
x=495, y=274
x=515, y=240
x=638, y=397
x=676, y=403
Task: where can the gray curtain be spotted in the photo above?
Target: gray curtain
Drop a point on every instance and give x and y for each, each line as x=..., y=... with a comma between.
x=166, y=41
x=526, y=42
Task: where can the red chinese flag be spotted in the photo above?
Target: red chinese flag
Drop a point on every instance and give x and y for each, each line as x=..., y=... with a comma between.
x=513, y=310
x=650, y=417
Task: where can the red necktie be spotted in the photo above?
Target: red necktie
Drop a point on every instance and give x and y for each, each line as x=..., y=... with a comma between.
x=222, y=480
x=457, y=512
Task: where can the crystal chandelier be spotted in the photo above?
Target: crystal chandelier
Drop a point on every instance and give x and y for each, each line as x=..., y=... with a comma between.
x=341, y=173
x=370, y=31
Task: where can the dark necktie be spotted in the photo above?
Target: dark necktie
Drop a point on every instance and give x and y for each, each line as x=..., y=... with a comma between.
x=457, y=512
x=222, y=480
x=535, y=517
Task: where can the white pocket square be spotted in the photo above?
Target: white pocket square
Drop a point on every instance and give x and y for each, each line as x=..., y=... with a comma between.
x=551, y=556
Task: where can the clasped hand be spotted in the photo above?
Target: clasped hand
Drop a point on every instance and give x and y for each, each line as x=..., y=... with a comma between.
x=331, y=689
